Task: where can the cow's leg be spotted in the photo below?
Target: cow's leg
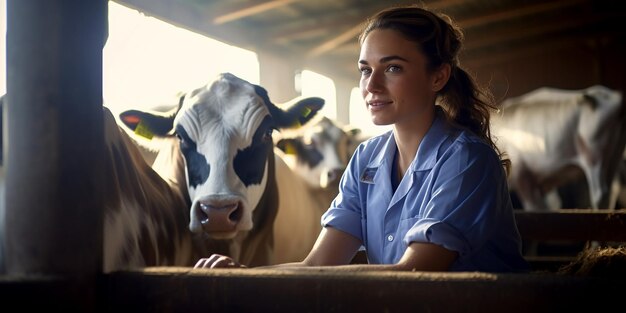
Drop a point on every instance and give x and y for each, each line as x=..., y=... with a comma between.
x=603, y=185
x=528, y=189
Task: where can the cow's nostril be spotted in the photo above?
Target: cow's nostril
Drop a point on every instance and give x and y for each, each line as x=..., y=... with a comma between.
x=202, y=215
x=219, y=216
x=204, y=207
x=235, y=216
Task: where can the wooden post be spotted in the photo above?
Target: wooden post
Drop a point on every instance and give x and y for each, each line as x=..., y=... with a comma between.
x=55, y=143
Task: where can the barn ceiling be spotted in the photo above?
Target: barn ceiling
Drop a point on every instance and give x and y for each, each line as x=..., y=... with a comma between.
x=321, y=34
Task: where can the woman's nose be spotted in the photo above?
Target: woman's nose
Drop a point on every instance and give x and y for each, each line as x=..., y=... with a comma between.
x=374, y=84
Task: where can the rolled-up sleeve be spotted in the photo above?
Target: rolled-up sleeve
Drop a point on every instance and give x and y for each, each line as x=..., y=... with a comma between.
x=344, y=220
x=439, y=233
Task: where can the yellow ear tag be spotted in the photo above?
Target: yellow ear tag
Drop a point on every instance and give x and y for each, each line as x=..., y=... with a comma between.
x=143, y=131
x=305, y=111
x=289, y=149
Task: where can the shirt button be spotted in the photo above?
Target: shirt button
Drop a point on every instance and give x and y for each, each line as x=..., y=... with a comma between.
x=390, y=238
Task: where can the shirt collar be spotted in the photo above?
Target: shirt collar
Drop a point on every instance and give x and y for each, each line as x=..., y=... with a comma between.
x=427, y=151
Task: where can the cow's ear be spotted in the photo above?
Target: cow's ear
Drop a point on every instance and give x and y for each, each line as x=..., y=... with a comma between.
x=306, y=109
x=287, y=145
x=351, y=130
x=300, y=112
x=147, y=124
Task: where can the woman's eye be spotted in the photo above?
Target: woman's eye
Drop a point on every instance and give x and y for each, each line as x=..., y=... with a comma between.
x=394, y=68
x=365, y=70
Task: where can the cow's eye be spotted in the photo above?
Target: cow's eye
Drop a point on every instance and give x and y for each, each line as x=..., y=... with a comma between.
x=267, y=137
x=182, y=142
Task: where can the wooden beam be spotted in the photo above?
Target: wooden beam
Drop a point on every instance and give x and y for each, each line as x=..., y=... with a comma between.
x=335, y=42
x=188, y=17
x=354, y=30
x=249, y=10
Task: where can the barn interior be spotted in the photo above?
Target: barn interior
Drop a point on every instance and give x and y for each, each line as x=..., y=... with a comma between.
x=511, y=46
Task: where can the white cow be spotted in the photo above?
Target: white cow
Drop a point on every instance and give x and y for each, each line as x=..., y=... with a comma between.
x=309, y=164
x=552, y=134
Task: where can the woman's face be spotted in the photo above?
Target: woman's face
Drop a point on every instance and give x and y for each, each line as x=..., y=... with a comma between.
x=395, y=83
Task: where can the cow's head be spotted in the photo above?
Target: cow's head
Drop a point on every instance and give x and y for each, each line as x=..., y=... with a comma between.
x=224, y=132
x=321, y=151
x=599, y=117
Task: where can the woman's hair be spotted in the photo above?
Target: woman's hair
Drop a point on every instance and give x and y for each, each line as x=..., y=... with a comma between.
x=466, y=103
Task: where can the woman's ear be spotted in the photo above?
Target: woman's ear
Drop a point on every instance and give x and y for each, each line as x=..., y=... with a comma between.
x=440, y=77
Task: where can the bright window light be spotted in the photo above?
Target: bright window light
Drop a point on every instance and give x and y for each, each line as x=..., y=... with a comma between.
x=147, y=62
x=360, y=116
x=313, y=84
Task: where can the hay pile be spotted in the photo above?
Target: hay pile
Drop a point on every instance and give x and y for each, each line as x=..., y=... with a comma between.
x=607, y=262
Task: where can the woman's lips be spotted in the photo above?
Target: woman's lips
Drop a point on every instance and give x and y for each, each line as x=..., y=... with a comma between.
x=377, y=105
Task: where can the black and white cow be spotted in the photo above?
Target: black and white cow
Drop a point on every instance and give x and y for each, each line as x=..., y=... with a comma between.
x=216, y=171
x=212, y=187
x=555, y=136
x=319, y=152
x=309, y=164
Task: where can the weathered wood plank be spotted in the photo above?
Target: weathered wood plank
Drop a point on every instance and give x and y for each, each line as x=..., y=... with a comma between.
x=257, y=290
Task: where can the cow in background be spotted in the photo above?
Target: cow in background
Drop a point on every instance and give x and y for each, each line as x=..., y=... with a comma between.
x=309, y=164
x=319, y=152
x=554, y=136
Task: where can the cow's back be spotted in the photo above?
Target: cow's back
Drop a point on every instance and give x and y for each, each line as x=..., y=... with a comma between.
x=538, y=132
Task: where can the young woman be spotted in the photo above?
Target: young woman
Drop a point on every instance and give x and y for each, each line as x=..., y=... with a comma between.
x=430, y=195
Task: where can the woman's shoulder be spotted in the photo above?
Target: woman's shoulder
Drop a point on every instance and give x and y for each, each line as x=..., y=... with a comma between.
x=369, y=150
x=375, y=142
x=470, y=143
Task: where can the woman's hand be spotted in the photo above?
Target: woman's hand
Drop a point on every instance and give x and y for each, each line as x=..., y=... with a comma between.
x=217, y=261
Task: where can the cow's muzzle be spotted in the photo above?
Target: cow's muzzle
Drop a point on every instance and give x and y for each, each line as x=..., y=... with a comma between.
x=218, y=216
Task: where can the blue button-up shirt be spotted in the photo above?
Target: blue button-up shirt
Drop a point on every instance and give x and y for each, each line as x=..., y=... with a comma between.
x=454, y=194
